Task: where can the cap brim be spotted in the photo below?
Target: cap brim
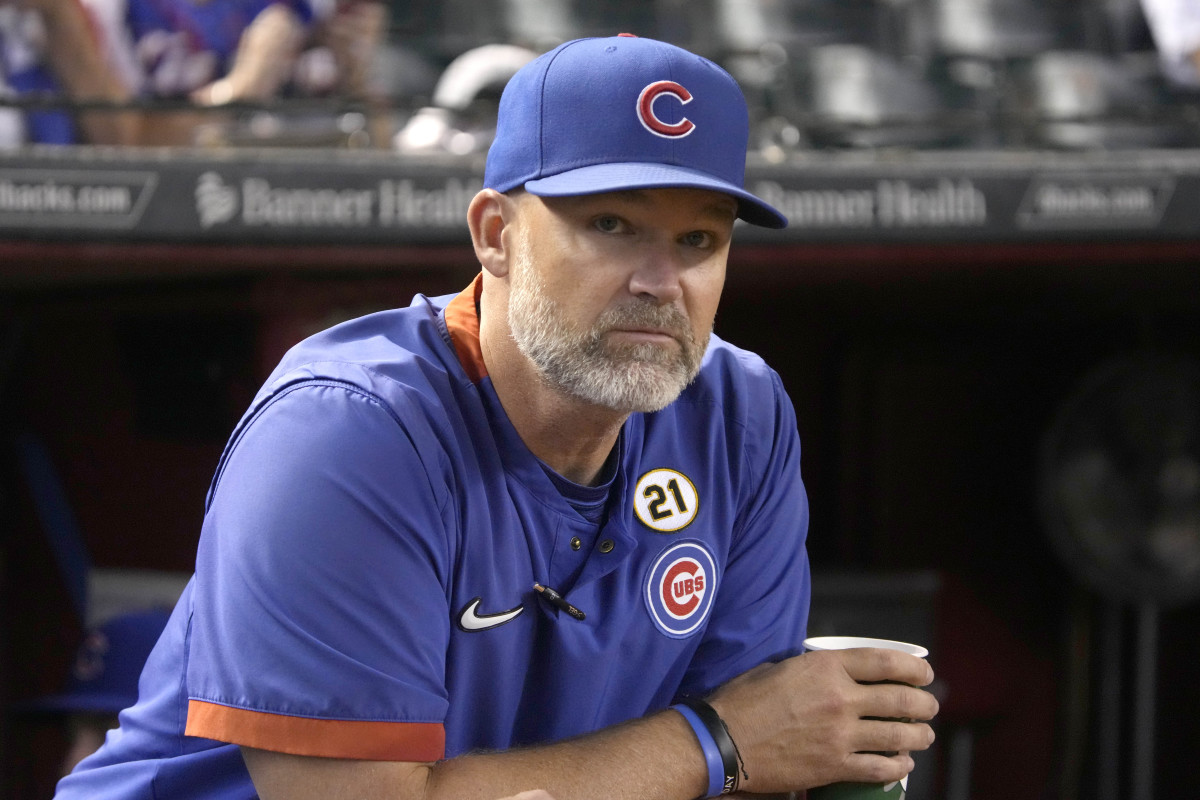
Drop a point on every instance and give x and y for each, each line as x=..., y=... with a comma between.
x=623, y=176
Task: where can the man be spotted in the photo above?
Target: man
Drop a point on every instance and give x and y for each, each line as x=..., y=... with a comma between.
x=509, y=540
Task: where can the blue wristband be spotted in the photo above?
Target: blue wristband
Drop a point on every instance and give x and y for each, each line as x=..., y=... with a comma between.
x=712, y=754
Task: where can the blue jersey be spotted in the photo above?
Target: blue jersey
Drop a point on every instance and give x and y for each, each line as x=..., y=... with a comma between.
x=364, y=582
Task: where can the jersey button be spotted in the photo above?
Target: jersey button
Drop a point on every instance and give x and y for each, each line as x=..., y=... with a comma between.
x=576, y=543
x=606, y=545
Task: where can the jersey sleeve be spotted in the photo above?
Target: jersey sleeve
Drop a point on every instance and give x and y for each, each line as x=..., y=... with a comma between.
x=761, y=610
x=320, y=621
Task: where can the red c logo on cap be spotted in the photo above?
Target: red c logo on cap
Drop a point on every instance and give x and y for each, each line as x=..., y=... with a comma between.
x=645, y=110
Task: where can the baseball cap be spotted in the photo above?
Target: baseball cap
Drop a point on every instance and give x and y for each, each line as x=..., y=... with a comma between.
x=623, y=112
x=104, y=678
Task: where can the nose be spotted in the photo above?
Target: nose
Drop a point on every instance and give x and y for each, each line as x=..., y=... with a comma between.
x=657, y=274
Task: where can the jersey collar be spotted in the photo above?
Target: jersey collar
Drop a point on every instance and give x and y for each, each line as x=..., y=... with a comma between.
x=462, y=324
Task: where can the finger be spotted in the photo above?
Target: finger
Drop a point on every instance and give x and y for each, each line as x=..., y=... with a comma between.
x=879, y=664
x=885, y=736
x=874, y=768
x=896, y=701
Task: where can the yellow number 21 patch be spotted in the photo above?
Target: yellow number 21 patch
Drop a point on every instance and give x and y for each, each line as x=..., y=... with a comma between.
x=665, y=500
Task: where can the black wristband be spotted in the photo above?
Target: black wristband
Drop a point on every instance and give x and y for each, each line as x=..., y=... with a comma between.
x=720, y=734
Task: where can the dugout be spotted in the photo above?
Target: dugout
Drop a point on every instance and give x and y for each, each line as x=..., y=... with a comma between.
x=929, y=315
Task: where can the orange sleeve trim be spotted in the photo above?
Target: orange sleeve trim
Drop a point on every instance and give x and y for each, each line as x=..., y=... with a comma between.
x=369, y=741
x=462, y=322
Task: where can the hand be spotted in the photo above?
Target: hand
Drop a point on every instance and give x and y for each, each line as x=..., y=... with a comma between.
x=799, y=723
x=354, y=34
x=535, y=794
x=217, y=93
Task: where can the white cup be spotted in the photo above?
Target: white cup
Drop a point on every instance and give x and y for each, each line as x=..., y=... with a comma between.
x=848, y=642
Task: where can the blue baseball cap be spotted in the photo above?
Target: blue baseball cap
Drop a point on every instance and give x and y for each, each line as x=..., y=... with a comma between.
x=623, y=112
x=104, y=678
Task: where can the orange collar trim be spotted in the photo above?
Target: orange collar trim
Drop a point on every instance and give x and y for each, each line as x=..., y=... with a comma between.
x=462, y=323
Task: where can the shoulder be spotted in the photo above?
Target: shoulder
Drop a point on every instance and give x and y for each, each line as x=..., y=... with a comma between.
x=376, y=397
x=737, y=381
x=392, y=371
x=386, y=354
x=740, y=403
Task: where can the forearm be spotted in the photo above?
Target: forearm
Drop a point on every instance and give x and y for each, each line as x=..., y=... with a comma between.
x=807, y=721
x=76, y=54
x=657, y=757
x=654, y=757
x=264, y=58
x=78, y=59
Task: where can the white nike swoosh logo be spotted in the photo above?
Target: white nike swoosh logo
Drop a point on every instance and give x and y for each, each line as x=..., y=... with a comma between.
x=469, y=620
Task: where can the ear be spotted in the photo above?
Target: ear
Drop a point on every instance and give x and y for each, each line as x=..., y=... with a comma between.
x=487, y=215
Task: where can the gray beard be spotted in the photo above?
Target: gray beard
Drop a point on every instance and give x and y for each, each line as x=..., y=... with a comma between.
x=624, y=377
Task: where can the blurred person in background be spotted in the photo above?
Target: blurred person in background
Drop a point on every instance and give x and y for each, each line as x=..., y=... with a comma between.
x=209, y=53
x=338, y=58
x=103, y=681
x=52, y=49
x=340, y=62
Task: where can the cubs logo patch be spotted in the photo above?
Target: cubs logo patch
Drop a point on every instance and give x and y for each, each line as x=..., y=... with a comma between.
x=665, y=500
x=651, y=121
x=680, y=588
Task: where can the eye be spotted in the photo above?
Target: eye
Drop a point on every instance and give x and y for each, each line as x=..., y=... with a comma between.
x=609, y=223
x=699, y=239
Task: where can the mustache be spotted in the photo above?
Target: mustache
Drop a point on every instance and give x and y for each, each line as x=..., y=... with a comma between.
x=647, y=314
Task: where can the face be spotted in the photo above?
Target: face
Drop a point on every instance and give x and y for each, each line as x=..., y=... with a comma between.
x=612, y=297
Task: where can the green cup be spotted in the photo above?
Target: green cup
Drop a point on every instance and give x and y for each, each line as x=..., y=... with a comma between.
x=861, y=791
